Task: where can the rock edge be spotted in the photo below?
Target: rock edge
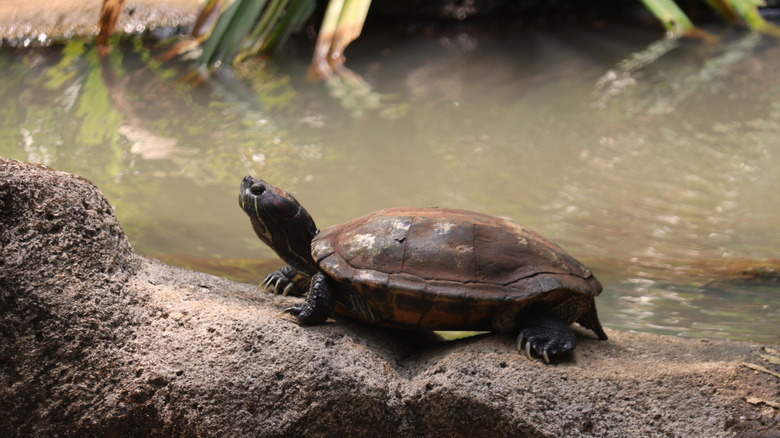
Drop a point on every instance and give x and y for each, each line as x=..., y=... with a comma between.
x=46, y=19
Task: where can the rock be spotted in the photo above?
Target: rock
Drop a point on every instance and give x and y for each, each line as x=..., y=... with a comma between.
x=46, y=19
x=98, y=341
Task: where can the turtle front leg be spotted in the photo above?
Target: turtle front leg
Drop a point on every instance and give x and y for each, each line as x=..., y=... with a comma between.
x=287, y=280
x=547, y=335
x=320, y=302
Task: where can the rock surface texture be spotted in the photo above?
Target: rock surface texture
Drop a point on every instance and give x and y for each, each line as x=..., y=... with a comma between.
x=98, y=341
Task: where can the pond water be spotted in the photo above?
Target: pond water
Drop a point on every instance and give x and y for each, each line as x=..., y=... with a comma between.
x=656, y=162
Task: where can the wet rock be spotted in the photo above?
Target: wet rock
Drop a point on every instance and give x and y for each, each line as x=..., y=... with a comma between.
x=98, y=341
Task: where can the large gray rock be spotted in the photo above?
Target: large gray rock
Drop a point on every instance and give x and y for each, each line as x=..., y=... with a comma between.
x=98, y=341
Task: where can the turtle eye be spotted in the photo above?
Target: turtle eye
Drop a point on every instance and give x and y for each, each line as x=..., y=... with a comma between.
x=257, y=190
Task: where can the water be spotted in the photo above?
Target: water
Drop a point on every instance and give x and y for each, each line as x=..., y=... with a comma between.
x=655, y=162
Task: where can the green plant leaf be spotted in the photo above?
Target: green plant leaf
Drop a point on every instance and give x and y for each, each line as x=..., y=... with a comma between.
x=672, y=17
x=296, y=15
x=230, y=29
x=748, y=9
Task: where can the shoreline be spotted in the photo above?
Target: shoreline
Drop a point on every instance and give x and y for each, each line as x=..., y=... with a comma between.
x=44, y=20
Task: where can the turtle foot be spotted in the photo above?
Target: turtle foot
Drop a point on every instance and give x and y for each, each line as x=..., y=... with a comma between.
x=548, y=337
x=319, y=305
x=291, y=313
x=279, y=282
x=304, y=314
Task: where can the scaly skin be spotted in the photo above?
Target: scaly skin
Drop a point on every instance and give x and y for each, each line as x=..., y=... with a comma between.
x=320, y=302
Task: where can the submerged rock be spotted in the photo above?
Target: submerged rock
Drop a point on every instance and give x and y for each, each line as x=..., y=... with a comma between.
x=99, y=341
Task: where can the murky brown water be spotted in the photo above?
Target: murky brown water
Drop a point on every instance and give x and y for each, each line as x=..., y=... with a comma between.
x=655, y=162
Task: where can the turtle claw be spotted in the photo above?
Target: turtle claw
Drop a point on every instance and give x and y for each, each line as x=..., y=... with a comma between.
x=521, y=340
x=527, y=349
x=282, y=282
x=524, y=344
x=291, y=313
x=548, y=337
x=272, y=284
x=287, y=314
x=265, y=286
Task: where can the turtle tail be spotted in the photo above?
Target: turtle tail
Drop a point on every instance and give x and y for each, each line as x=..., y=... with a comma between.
x=590, y=320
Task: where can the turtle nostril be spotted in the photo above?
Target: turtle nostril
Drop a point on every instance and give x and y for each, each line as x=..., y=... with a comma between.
x=257, y=190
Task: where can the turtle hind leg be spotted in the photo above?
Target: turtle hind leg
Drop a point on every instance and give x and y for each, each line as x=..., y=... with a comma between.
x=319, y=305
x=548, y=336
x=590, y=320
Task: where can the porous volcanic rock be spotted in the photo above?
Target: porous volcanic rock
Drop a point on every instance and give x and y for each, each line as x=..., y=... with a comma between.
x=98, y=341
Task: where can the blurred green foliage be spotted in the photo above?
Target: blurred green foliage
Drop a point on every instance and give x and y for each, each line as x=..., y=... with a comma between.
x=246, y=27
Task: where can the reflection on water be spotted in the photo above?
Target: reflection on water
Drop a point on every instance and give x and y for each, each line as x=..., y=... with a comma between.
x=657, y=163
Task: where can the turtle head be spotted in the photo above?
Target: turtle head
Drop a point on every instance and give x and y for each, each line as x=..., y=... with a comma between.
x=279, y=221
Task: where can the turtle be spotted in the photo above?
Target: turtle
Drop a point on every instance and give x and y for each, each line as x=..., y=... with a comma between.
x=426, y=269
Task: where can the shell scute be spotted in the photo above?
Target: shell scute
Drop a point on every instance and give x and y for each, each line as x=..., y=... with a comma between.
x=371, y=244
x=440, y=247
x=376, y=279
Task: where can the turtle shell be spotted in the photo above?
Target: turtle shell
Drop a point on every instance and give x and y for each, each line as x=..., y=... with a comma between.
x=448, y=269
